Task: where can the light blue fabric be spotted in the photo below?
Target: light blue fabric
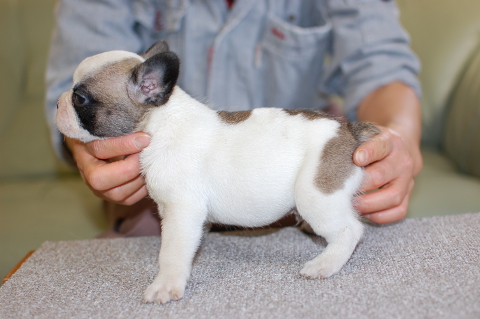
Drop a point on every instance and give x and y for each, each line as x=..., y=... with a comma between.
x=291, y=54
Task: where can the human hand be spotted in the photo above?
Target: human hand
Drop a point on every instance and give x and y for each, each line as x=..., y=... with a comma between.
x=108, y=171
x=391, y=163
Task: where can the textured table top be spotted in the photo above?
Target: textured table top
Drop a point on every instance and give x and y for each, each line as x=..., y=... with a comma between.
x=417, y=268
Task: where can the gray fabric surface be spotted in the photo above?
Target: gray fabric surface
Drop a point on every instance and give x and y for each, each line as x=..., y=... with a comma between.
x=418, y=268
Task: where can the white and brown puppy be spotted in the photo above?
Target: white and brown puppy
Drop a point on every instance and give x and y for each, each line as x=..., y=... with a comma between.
x=245, y=168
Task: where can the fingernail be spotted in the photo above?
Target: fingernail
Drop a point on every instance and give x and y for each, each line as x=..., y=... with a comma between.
x=366, y=216
x=142, y=141
x=361, y=157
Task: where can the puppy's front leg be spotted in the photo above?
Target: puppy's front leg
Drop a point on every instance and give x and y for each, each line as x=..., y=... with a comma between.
x=182, y=231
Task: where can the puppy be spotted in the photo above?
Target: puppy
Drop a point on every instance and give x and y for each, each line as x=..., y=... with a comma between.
x=247, y=168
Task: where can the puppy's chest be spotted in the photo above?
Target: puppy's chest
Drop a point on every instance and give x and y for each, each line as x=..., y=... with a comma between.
x=175, y=151
x=167, y=156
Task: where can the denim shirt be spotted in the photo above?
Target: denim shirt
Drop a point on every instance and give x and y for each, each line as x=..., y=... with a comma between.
x=292, y=54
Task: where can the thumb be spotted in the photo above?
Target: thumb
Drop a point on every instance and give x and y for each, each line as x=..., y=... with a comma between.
x=119, y=146
x=373, y=150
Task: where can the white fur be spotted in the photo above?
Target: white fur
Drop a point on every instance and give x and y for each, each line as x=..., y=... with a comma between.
x=199, y=168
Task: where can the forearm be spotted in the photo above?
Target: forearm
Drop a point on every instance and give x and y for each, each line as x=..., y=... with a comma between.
x=396, y=106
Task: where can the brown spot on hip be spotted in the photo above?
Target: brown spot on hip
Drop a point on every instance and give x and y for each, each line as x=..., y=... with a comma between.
x=336, y=164
x=234, y=117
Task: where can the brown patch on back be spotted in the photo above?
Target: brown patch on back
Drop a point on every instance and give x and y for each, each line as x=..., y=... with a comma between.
x=308, y=114
x=234, y=117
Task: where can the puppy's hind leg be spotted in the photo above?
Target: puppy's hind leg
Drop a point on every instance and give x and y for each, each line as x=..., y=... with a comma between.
x=333, y=217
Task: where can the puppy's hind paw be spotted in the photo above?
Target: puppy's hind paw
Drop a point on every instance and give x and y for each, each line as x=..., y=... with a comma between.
x=319, y=269
x=163, y=293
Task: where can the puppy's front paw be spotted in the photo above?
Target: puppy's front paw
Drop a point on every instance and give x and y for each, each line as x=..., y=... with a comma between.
x=163, y=291
x=320, y=268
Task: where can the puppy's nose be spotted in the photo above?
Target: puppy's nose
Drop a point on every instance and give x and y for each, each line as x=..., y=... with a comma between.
x=57, y=104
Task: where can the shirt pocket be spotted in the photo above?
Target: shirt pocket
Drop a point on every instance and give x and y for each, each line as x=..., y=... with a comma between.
x=290, y=62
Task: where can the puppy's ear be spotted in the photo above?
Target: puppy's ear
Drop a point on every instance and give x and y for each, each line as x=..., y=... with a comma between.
x=158, y=47
x=152, y=81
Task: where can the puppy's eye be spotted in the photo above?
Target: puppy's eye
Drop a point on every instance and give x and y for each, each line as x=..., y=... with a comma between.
x=78, y=100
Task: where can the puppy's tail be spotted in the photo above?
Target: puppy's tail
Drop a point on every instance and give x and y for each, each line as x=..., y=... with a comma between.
x=363, y=131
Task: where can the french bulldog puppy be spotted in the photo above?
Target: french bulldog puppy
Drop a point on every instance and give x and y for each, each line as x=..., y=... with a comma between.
x=247, y=168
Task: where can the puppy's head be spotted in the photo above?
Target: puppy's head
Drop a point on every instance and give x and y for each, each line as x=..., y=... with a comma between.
x=112, y=92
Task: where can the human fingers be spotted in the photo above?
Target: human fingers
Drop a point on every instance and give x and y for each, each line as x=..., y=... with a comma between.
x=103, y=176
x=388, y=159
x=388, y=178
x=392, y=214
x=127, y=194
x=386, y=197
x=375, y=149
x=118, y=146
x=114, y=179
x=135, y=197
